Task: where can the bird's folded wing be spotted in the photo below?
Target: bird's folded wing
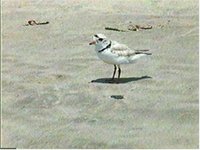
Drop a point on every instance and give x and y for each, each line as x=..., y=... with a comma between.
x=121, y=50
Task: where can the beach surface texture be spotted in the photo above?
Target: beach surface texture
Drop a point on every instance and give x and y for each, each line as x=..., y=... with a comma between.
x=54, y=89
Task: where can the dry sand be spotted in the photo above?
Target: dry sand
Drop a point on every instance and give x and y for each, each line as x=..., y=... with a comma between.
x=49, y=101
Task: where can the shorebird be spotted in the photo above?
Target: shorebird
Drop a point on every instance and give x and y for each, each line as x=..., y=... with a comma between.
x=112, y=52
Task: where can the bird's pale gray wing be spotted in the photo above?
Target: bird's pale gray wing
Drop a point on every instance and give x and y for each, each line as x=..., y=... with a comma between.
x=121, y=50
x=119, y=47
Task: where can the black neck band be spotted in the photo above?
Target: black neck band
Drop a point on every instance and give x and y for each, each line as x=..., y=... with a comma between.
x=108, y=46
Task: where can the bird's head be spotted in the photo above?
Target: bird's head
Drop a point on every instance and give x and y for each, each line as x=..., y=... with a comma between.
x=99, y=40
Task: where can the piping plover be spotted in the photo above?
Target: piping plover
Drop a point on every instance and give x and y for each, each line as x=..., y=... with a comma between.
x=112, y=52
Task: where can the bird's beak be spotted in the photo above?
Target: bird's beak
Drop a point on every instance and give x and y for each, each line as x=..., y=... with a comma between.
x=93, y=42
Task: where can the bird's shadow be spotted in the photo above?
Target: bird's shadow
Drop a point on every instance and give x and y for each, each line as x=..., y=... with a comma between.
x=121, y=80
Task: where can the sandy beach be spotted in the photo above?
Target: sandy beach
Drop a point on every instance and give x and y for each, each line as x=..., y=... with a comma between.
x=54, y=89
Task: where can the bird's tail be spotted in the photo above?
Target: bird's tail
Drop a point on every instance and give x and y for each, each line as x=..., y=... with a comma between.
x=144, y=51
x=139, y=54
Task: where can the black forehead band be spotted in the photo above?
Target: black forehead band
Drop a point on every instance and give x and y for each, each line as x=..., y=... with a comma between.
x=96, y=36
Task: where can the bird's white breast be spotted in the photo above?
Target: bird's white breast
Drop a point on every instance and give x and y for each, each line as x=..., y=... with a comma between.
x=108, y=57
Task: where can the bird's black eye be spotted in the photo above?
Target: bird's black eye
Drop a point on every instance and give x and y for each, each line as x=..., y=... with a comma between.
x=100, y=39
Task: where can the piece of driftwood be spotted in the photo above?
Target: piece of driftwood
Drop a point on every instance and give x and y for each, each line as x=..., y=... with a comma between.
x=131, y=27
x=114, y=29
x=138, y=27
x=117, y=96
x=33, y=22
x=145, y=27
